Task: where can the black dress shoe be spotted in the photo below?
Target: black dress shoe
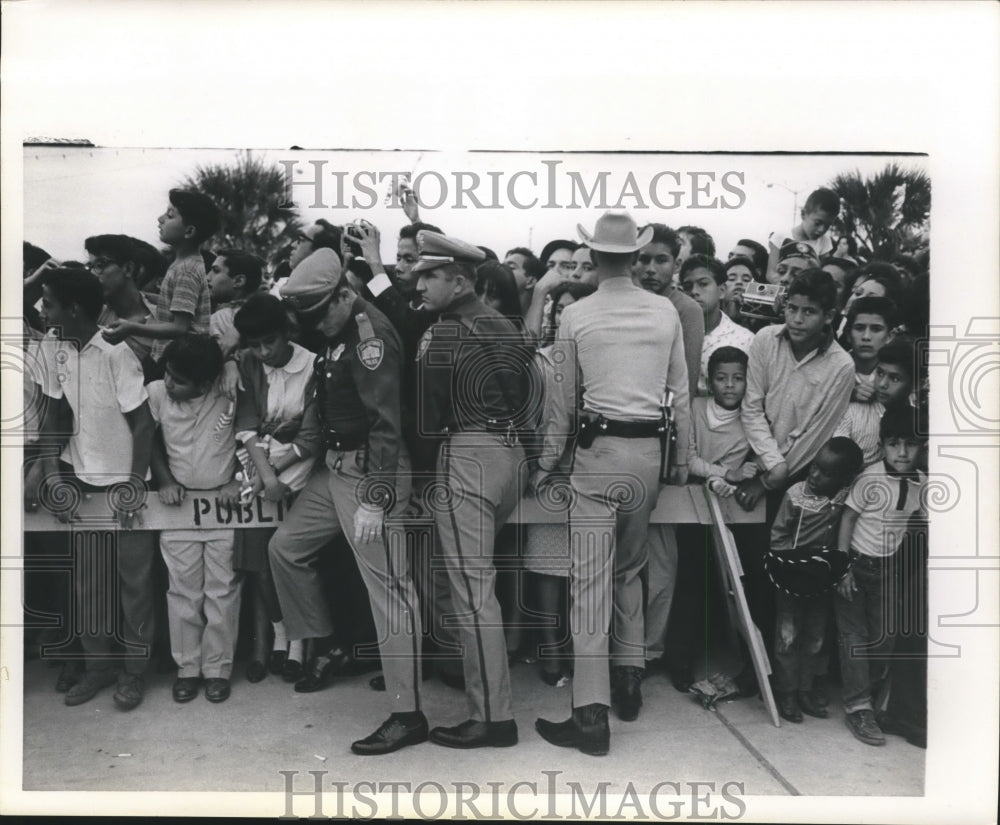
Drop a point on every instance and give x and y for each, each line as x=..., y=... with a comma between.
x=788, y=707
x=398, y=731
x=586, y=730
x=216, y=690
x=256, y=671
x=276, y=661
x=473, y=734
x=626, y=692
x=318, y=677
x=186, y=688
x=808, y=704
x=291, y=670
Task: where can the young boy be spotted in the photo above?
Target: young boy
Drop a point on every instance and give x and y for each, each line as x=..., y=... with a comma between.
x=114, y=260
x=892, y=383
x=803, y=568
x=197, y=452
x=108, y=447
x=820, y=211
x=879, y=506
x=190, y=219
x=799, y=384
x=717, y=454
x=704, y=279
x=233, y=278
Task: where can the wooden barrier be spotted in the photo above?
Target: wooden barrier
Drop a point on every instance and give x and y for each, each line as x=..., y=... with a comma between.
x=676, y=505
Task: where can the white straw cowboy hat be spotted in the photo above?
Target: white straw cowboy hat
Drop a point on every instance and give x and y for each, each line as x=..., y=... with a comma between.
x=616, y=232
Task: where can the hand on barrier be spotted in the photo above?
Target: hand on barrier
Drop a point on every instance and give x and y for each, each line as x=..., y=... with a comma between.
x=748, y=493
x=721, y=487
x=172, y=493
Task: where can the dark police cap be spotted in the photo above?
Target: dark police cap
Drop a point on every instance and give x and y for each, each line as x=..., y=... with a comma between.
x=797, y=249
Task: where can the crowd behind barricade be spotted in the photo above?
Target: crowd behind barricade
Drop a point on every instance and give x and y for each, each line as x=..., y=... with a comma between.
x=431, y=395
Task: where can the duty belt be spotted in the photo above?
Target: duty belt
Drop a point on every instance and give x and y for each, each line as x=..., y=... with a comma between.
x=344, y=443
x=591, y=428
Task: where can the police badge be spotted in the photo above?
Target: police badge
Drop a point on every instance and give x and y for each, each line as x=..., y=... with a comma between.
x=370, y=352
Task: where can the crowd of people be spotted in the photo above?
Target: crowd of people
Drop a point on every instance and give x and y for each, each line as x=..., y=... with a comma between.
x=424, y=399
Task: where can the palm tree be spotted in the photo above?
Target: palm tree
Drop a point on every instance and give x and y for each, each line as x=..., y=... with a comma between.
x=886, y=213
x=250, y=194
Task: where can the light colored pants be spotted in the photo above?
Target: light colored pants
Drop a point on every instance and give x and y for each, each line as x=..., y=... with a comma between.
x=485, y=479
x=325, y=508
x=203, y=601
x=615, y=484
x=661, y=576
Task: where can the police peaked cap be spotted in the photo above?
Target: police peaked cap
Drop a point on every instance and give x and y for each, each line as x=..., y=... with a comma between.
x=437, y=250
x=313, y=281
x=797, y=249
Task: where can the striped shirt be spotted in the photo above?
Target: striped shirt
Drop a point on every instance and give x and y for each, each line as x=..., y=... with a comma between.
x=860, y=424
x=184, y=289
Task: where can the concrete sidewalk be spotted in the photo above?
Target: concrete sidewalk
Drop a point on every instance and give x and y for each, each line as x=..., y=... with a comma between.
x=242, y=744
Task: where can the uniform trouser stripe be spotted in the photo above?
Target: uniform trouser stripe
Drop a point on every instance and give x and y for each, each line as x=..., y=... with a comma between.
x=460, y=557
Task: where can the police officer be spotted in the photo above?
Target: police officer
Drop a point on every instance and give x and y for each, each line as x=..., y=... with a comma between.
x=403, y=307
x=629, y=354
x=363, y=476
x=474, y=384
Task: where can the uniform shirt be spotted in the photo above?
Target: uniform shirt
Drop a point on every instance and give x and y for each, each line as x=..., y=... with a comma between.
x=718, y=442
x=360, y=394
x=101, y=383
x=791, y=408
x=198, y=436
x=139, y=344
x=474, y=373
x=184, y=289
x=807, y=520
x=629, y=350
x=884, y=501
x=726, y=334
x=860, y=424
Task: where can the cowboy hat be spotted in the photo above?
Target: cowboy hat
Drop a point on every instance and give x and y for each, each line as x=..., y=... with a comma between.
x=616, y=232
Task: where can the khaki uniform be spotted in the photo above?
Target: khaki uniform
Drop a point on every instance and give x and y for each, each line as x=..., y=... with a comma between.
x=629, y=353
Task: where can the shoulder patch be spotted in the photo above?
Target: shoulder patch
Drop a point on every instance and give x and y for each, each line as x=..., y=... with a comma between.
x=423, y=344
x=370, y=352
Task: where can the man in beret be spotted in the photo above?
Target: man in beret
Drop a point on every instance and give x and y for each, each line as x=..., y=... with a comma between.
x=630, y=354
x=355, y=488
x=473, y=380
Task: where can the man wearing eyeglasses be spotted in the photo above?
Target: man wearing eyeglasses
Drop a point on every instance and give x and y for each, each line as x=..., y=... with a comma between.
x=111, y=258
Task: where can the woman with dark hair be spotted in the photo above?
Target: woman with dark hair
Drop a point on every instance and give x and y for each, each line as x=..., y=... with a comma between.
x=496, y=286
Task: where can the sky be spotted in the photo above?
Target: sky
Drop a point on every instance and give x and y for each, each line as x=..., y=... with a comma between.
x=73, y=192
